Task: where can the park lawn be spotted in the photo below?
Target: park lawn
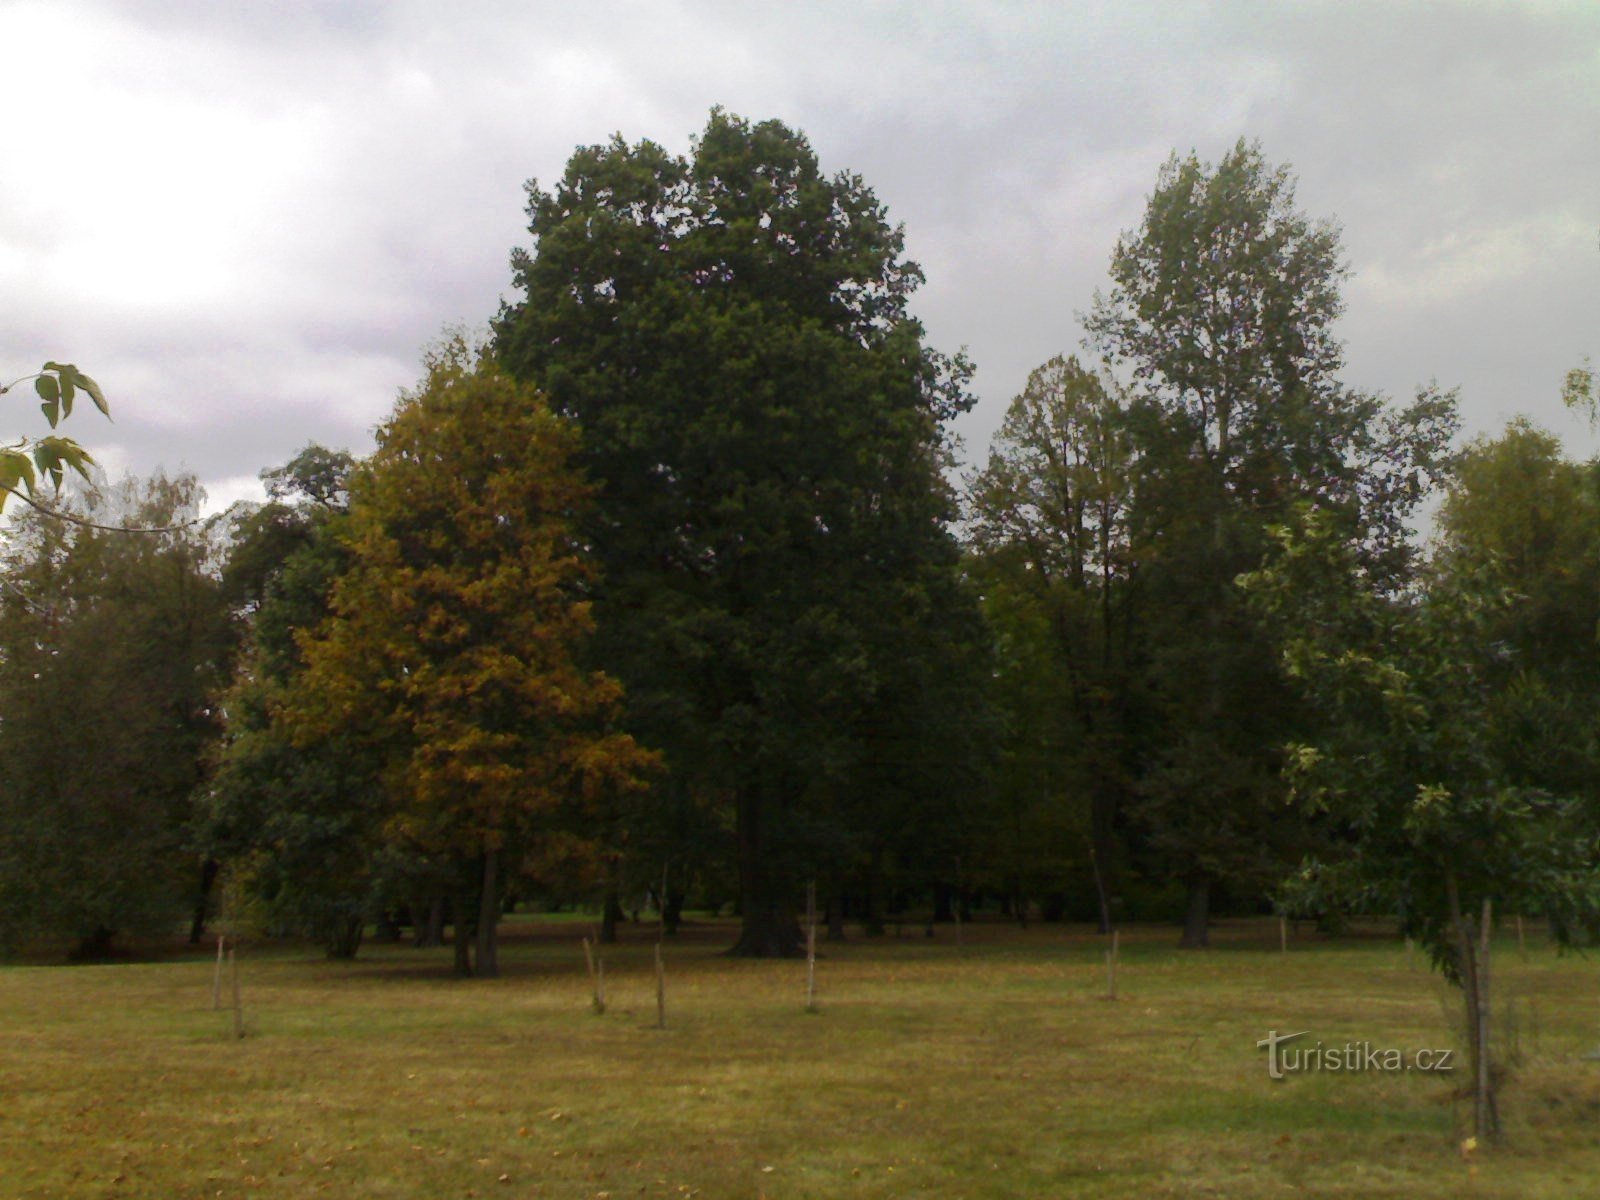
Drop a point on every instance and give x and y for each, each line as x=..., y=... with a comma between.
x=992, y=1069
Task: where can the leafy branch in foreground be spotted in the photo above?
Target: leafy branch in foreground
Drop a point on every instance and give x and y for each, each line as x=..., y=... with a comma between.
x=23, y=462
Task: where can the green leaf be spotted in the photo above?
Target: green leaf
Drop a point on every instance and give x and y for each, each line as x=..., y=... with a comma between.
x=80, y=461
x=95, y=394
x=47, y=457
x=50, y=391
x=15, y=468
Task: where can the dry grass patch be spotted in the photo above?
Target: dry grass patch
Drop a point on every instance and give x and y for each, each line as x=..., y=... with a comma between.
x=994, y=1070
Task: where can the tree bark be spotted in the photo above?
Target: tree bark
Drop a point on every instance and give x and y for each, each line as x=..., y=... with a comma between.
x=769, y=927
x=202, y=903
x=610, y=915
x=1474, y=991
x=488, y=964
x=1100, y=853
x=672, y=914
x=1196, y=933
x=344, y=938
x=429, y=928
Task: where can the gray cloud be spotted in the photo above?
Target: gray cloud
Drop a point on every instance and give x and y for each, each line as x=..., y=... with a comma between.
x=247, y=220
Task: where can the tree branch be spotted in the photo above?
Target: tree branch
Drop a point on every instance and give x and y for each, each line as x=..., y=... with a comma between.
x=88, y=524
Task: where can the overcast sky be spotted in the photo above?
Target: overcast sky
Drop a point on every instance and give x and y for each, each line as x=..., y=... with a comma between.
x=247, y=219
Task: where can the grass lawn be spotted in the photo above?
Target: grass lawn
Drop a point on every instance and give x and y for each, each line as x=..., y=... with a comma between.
x=993, y=1069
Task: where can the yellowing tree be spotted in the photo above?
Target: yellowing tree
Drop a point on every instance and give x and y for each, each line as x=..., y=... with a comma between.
x=453, y=637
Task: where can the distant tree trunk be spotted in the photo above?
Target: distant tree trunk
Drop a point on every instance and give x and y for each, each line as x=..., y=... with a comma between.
x=835, y=917
x=488, y=964
x=343, y=939
x=610, y=914
x=202, y=903
x=872, y=900
x=942, y=911
x=1016, y=903
x=768, y=925
x=1099, y=854
x=1196, y=932
x=94, y=946
x=672, y=913
x=388, y=927
x=429, y=928
x=459, y=907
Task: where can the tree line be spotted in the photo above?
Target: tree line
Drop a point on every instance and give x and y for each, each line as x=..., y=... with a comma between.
x=674, y=587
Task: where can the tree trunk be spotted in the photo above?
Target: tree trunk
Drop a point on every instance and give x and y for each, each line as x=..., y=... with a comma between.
x=430, y=928
x=768, y=926
x=388, y=926
x=1100, y=854
x=1474, y=992
x=459, y=907
x=672, y=914
x=202, y=903
x=488, y=964
x=872, y=906
x=1196, y=934
x=432, y=932
x=835, y=916
x=610, y=915
x=94, y=947
x=344, y=938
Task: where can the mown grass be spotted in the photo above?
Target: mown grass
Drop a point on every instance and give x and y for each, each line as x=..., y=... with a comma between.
x=996, y=1069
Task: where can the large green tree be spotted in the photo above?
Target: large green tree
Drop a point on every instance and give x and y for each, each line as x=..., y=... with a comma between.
x=730, y=330
x=1050, y=517
x=300, y=826
x=1220, y=318
x=113, y=648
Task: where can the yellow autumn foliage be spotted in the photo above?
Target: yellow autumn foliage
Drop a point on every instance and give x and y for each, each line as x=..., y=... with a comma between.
x=454, y=637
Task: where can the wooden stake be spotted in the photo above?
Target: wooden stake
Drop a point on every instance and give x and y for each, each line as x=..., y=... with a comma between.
x=216, y=977
x=811, y=947
x=1111, y=967
x=661, y=990
x=238, y=1010
x=1283, y=934
x=600, y=985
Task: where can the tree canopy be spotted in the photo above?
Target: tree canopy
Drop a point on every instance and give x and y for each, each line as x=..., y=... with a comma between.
x=765, y=427
x=1221, y=317
x=451, y=648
